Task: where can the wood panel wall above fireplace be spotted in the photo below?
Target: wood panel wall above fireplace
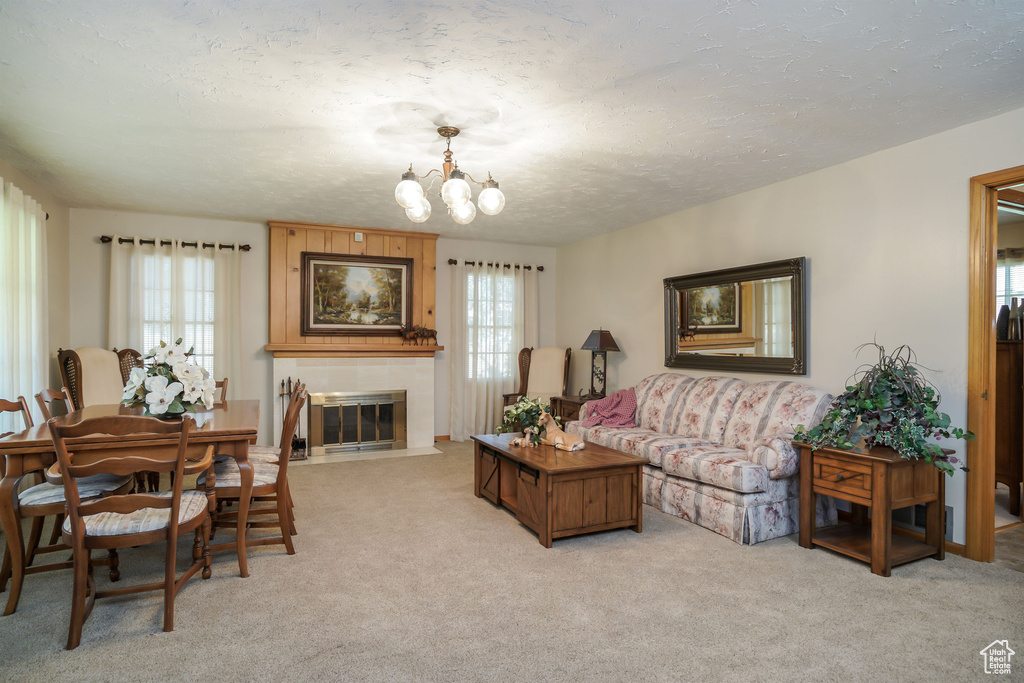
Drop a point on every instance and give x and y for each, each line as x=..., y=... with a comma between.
x=288, y=241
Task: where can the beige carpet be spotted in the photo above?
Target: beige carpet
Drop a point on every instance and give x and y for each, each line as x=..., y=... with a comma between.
x=402, y=574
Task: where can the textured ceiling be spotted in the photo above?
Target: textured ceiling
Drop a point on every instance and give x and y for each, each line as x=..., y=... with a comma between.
x=592, y=115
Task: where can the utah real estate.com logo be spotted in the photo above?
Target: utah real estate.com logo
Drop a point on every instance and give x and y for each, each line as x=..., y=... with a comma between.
x=997, y=657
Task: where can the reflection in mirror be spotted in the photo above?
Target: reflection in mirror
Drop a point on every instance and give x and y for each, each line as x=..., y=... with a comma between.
x=748, y=318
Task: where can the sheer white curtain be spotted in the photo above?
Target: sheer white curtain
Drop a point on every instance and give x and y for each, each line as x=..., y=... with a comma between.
x=160, y=293
x=494, y=315
x=24, y=341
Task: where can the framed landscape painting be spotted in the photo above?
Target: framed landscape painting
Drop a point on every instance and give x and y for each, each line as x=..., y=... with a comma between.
x=715, y=308
x=357, y=295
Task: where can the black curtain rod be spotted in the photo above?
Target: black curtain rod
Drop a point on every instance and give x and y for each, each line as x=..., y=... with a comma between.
x=455, y=262
x=105, y=239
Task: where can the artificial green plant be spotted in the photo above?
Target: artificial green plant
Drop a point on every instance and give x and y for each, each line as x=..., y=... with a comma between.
x=890, y=403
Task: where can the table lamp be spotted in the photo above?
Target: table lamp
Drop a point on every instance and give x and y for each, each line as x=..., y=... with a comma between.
x=599, y=343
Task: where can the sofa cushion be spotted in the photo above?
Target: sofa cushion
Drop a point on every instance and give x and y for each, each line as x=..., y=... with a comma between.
x=716, y=465
x=658, y=398
x=644, y=443
x=705, y=408
x=773, y=409
x=619, y=438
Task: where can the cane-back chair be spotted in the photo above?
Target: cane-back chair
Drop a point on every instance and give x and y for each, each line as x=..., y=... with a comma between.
x=96, y=376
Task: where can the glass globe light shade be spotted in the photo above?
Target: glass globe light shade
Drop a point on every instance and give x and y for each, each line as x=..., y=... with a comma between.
x=408, y=193
x=455, y=191
x=491, y=201
x=420, y=212
x=464, y=213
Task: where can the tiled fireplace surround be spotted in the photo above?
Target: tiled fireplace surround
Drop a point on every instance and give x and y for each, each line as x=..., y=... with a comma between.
x=414, y=375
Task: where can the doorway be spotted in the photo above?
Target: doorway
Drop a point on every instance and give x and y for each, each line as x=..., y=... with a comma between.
x=981, y=366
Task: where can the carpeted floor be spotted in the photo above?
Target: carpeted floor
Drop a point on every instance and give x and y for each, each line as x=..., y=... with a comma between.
x=402, y=574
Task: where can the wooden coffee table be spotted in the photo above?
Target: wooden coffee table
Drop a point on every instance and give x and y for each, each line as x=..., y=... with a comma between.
x=560, y=493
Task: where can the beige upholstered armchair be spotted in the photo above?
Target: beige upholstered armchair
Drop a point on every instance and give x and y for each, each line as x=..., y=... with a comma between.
x=543, y=373
x=94, y=376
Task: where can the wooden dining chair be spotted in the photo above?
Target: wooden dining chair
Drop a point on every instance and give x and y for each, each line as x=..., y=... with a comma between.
x=222, y=397
x=270, y=484
x=38, y=502
x=19, y=406
x=131, y=519
x=45, y=397
x=94, y=375
x=272, y=454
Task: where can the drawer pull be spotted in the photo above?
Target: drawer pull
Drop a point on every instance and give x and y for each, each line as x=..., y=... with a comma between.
x=839, y=477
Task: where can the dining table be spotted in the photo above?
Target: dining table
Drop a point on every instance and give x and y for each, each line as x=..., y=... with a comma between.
x=229, y=426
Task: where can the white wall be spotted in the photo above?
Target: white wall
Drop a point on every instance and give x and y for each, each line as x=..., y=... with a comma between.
x=90, y=268
x=886, y=238
x=486, y=251
x=56, y=263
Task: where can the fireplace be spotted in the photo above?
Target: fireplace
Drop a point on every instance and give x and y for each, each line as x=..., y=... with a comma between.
x=342, y=422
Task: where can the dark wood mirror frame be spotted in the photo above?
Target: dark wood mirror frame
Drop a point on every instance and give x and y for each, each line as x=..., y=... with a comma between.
x=797, y=365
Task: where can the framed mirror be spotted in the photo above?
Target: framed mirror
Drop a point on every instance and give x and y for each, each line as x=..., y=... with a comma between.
x=747, y=319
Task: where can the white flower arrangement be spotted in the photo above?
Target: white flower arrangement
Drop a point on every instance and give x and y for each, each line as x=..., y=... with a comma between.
x=170, y=384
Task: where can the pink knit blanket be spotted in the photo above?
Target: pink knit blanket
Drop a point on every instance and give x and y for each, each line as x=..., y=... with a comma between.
x=617, y=410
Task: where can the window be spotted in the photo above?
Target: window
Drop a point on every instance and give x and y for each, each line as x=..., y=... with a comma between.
x=196, y=296
x=490, y=316
x=161, y=293
x=494, y=315
x=1009, y=276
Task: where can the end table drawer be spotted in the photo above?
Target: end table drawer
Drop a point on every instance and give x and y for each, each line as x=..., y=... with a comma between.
x=841, y=476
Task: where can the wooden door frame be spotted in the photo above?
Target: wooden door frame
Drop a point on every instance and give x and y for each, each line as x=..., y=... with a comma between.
x=981, y=353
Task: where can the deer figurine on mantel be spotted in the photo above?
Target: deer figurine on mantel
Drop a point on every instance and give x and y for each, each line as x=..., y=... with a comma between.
x=418, y=334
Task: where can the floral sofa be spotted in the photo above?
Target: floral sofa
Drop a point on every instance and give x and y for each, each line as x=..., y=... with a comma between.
x=720, y=451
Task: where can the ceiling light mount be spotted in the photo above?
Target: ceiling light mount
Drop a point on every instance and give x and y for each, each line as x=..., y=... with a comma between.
x=454, y=191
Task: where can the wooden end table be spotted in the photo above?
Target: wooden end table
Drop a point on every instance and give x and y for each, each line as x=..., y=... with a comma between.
x=876, y=481
x=567, y=407
x=560, y=493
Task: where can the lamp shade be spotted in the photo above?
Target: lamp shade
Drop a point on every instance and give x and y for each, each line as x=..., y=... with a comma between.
x=600, y=340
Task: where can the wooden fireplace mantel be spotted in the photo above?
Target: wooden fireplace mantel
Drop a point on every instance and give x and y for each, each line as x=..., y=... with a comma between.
x=351, y=350
x=289, y=240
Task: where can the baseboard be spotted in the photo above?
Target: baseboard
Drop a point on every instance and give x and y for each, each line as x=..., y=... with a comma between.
x=951, y=548
x=442, y=438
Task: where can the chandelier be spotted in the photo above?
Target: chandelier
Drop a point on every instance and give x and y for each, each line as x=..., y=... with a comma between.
x=454, y=190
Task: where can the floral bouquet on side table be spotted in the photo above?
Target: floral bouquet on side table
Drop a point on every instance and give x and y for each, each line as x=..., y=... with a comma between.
x=170, y=383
